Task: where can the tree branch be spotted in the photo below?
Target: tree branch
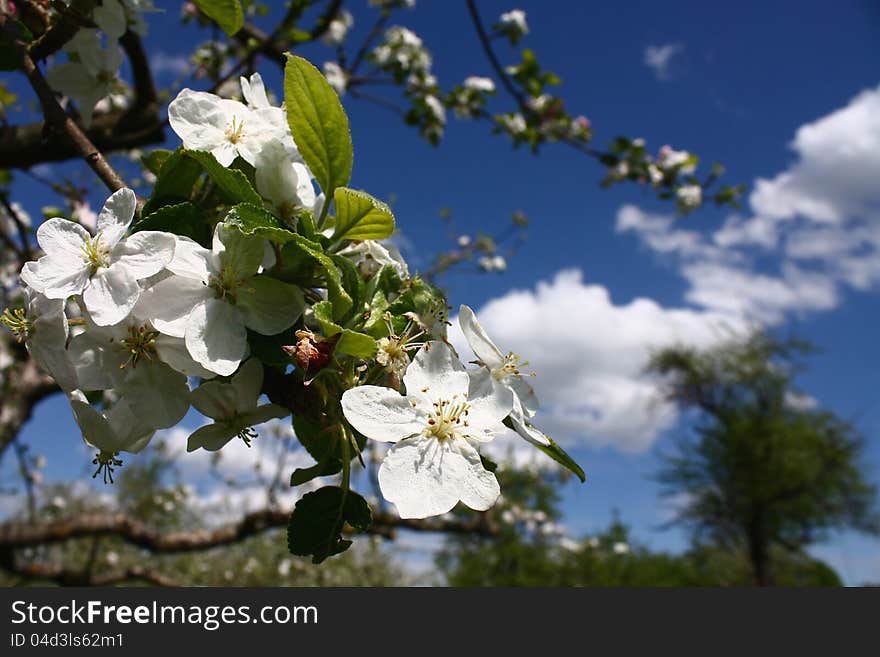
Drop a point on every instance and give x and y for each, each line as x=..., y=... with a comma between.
x=58, y=119
x=18, y=534
x=25, y=386
x=72, y=577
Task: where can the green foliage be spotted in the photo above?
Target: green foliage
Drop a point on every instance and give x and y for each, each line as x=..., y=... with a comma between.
x=317, y=522
x=254, y=220
x=359, y=216
x=227, y=14
x=318, y=123
x=553, y=450
x=175, y=181
x=231, y=183
x=300, y=249
x=185, y=219
x=757, y=469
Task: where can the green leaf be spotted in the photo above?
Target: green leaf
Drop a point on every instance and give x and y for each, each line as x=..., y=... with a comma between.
x=353, y=285
x=340, y=299
x=226, y=13
x=329, y=466
x=359, y=216
x=359, y=345
x=154, y=160
x=552, y=450
x=232, y=183
x=254, y=220
x=174, y=183
x=318, y=124
x=353, y=343
x=317, y=521
x=185, y=219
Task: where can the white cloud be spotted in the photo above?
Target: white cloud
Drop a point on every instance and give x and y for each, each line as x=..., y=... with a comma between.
x=812, y=230
x=590, y=355
x=162, y=62
x=817, y=222
x=660, y=59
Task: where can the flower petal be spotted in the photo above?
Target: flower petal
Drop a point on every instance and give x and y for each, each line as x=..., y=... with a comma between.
x=246, y=385
x=111, y=295
x=239, y=254
x=480, y=343
x=118, y=211
x=169, y=302
x=489, y=402
x=423, y=477
x=265, y=413
x=269, y=306
x=55, y=278
x=191, y=260
x=198, y=119
x=216, y=337
x=215, y=399
x=382, y=414
x=211, y=437
x=524, y=393
x=63, y=241
x=436, y=372
x=156, y=394
x=479, y=488
x=173, y=352
x=145, y=253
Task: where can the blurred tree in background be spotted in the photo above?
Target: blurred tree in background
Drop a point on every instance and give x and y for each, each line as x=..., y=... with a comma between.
x=763, y=469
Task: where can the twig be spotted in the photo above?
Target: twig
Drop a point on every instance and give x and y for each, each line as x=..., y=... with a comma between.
x=57, y=118
x=493, y=58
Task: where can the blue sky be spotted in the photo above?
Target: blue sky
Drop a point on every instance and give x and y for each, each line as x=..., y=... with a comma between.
x=738, y=86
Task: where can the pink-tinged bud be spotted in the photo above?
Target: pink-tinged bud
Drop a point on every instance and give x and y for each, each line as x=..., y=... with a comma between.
x=583, y=123
x=311, y=352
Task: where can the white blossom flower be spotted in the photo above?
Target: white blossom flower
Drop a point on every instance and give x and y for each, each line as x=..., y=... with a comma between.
x=234, y=408
x=370, y=256
x=667, y=158
x=254, y=92
x=149, y=370
x=434, y=427
x=91, y=77
x=689, y=196
x=484, y=85
x=116, y=430
x=514, y=22
x=226, y=128
x=336, y=77
x=620, y=548
x=436, y=108
x=515, y=123
x=338, y=28
x=42, y=325
x=110, y=17
x=105, y=268
x=287, y=185
x=501, y=373
x=214, y=296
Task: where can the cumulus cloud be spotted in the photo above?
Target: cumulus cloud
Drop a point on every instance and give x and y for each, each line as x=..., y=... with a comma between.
x=811, y=231
x=818, y=221
x=660, y=59
x=163, y=62
x=590, y=355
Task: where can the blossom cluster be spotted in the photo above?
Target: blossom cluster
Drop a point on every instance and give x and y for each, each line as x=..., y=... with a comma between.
x=91, y=74
x=235, y=280
x=671, y=172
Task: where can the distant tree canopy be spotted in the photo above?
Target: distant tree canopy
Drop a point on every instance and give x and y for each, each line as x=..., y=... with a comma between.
x=762, y=468
x=529, y=553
